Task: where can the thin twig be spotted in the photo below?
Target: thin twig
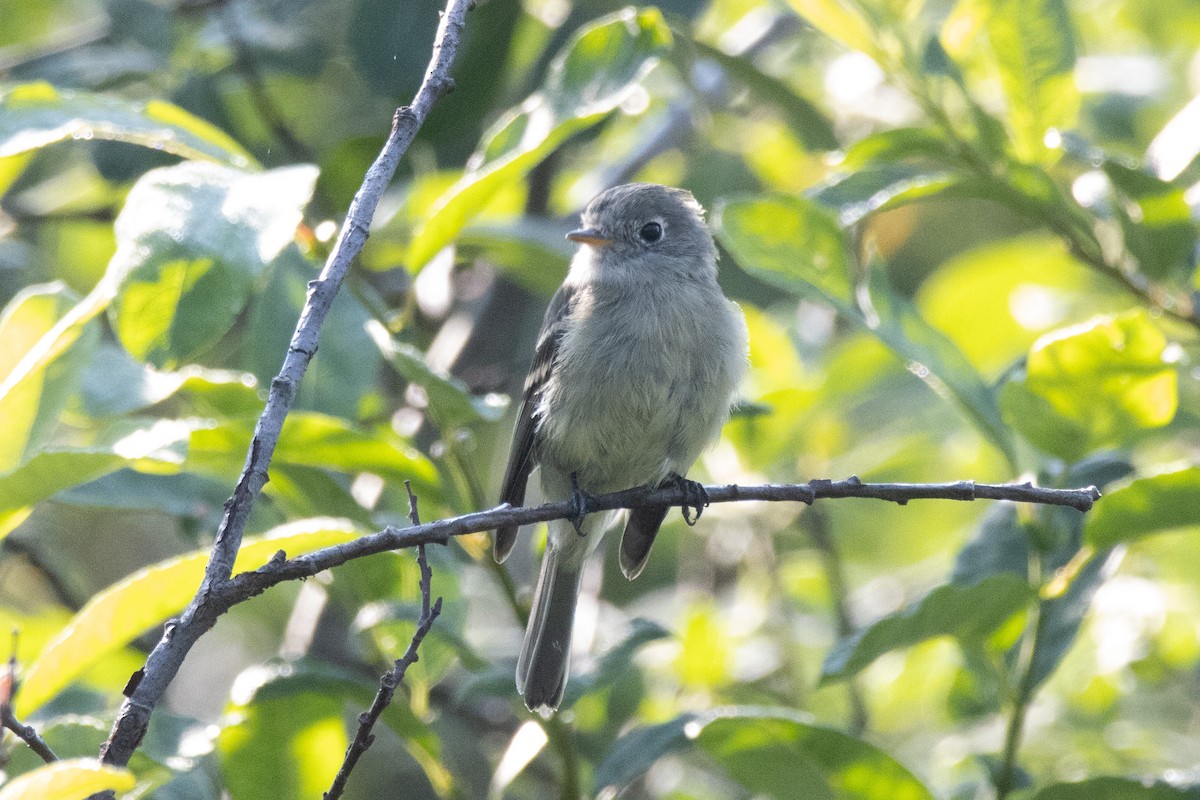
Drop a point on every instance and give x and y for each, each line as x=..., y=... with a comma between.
x=201, y=614
x=9, y=720
x=364, y=738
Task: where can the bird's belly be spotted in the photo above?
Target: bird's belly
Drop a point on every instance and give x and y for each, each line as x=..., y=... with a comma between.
x=632, y=426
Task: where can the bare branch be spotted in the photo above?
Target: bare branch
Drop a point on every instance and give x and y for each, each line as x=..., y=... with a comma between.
x=280, y=569
x=388, y=683
x=179, y=635
x=26, y=733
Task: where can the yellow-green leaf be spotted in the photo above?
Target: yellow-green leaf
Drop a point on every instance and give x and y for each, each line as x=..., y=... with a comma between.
x=74, y=779
x=1169, y=501
x=34, y=115
x=1033, y=45
x=1093, y=385
x=31, y=402
x=593, y=75
x=123, y=611
x=838, y=20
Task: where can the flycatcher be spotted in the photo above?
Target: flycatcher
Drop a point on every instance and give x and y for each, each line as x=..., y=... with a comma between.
x=635, y=368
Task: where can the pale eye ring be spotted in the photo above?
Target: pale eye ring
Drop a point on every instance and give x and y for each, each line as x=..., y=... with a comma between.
x=651, y=232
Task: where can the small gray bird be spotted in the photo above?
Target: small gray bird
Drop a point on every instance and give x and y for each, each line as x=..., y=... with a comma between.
x=635, y=369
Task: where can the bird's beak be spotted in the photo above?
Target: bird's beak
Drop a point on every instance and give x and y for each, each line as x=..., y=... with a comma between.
x=589, y=236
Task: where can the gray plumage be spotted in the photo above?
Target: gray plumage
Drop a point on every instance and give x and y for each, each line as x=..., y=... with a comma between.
x=634, y=371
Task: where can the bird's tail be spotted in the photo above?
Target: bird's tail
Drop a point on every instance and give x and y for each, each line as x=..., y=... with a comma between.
x=542, y=666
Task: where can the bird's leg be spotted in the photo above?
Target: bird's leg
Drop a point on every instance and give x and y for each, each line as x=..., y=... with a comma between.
x=695, y=498
x=582, y=501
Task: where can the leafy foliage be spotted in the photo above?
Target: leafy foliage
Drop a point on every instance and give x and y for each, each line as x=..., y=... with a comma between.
x=964, y=236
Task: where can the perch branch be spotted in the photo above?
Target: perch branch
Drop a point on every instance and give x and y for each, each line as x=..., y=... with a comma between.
x=388, y=683
x=281, y=568
x=149, y=684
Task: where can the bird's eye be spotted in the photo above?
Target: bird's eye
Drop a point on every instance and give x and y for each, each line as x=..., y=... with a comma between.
x=651, y=232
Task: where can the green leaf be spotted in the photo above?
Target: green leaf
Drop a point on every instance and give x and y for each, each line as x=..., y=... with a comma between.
x=773, y=752
x=288, y=718
x=115, y=384
x=192, y=240
x=451, y=405
x=1061, y=617
x=315, y=440
x=76, y=736
x=804, y=119
x=881, y=188
x=1113, y=788
x=593, y=75
x=968, y=612
x=795, y=244
x=1146, y=506
x=1033, y=45
x=790, y=242
x=153, y=446
x=1156, y=220
x=839, y=20
x=31, y=399
x=34, y=115
x=615, y=663
x=74, y=779
x=122, y=612
x=932, y=356
x=1093, y=385
x=896, y=145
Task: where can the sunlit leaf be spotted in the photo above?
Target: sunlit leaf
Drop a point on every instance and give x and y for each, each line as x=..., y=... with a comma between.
x=1156, y=219
x=773, y=752
x=1145, y=506
x=881, y=188
x=450, y=403
x=1033, y=45
x=35, y=115
x=149, y=445
x=896, y=145
x=117, y=615
x=75, y=779
x=288, y=722
x=837, y=19
x=114, y=384
x=192, y=240
x=795, y=244
x=591, y=77
x=1093, y=385
x=31, y=401
x=996, y=300
x=960, y=32
x=963, y=611
x=315, y=440
x=790, y=242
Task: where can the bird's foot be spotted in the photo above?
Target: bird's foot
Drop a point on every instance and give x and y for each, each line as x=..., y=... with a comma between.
x=695, y=499
x=582, y=501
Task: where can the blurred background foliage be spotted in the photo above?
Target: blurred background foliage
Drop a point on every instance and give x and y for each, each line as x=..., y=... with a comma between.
x=964, y=237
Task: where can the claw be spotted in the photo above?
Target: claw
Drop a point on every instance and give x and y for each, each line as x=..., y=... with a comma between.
x=582, y=501
x=695, y=499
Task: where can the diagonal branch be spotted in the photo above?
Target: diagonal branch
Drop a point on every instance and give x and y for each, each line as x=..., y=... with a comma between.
x=149, y=684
